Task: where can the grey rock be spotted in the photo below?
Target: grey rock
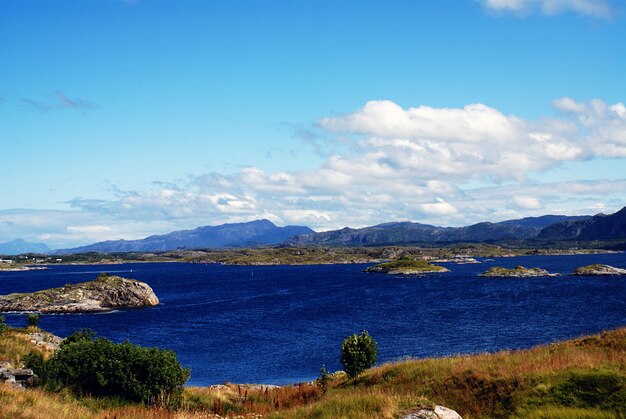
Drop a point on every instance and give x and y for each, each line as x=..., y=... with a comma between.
x=439, y=412
x=103, y=294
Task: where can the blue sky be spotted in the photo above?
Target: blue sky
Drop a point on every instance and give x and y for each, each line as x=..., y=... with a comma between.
x=120, y=119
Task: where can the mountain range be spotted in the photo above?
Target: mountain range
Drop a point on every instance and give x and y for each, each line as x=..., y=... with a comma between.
x=253, y=233
x=544, y=228
x=404, y=233
x=19, y=246
x=536, y=230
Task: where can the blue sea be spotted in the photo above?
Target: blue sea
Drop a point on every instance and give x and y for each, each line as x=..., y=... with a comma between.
x=279, y=324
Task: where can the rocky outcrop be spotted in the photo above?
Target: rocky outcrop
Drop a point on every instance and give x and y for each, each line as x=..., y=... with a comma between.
x=103, y=294
x=406, y=267
x=598, y=269
x=17, y=377
x=517, y=272
x=438, y=412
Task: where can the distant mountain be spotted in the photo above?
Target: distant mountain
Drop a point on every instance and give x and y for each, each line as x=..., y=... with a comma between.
x=253, y=233
x=404, y=233
x=19, y=246
x=543, y=221
x=598, y=227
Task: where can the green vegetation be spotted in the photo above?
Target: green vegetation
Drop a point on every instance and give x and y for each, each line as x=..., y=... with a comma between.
x=358, y=353
x=324, y=379
x=406, y=266
x=33, y=319
x=3, y=325
x=100, y=368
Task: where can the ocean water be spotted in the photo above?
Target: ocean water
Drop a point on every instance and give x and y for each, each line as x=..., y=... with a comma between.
x=279, y=324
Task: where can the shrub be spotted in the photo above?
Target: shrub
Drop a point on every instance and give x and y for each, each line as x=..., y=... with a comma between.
x=33, y=320
x=79, y=335
x=100, y=368
x=358, y=353
x=3, y=325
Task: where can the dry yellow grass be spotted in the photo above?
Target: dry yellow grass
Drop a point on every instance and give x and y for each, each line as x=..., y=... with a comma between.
x=525, y=383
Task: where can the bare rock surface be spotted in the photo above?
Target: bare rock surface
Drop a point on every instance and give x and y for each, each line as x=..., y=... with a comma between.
x=105, y=293
x=438, y=412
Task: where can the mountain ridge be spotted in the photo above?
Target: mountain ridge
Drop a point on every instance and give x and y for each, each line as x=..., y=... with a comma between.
x=407, y=233
x=248, y=234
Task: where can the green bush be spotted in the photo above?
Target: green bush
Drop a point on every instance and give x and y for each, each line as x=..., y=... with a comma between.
x=3, y=325
x=33, y=320
x=100, y=368
x=358, y=353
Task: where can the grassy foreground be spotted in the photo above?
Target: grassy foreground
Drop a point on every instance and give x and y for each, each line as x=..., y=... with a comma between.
x=580, y=378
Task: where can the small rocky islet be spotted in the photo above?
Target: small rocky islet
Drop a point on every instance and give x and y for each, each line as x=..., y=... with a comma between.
x=598, y=270
x=406, y=267
x=105, y=293
x=517, y=272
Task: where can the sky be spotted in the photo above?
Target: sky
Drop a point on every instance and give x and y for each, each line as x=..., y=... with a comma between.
x=122, y=119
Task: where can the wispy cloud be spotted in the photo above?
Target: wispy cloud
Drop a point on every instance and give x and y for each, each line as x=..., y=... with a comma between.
x=58, y=100
x=65, y=102
x=604, y=9
x=40, y=106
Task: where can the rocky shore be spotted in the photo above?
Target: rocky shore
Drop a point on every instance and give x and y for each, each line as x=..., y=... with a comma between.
x=517, y=272
x=598, y=270
x=105, y=293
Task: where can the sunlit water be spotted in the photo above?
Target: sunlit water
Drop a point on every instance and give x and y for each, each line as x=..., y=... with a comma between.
x=279, y=324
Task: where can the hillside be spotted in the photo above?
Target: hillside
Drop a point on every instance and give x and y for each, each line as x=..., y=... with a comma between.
x=582, y=377
x=598, y=227
x=253, y=233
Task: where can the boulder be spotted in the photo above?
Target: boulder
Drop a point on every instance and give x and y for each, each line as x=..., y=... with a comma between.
x=438, y=412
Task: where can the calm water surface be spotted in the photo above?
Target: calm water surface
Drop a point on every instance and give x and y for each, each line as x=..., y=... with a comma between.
x=279, y=324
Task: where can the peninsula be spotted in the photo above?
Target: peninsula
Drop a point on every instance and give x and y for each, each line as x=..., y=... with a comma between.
x=105, y=293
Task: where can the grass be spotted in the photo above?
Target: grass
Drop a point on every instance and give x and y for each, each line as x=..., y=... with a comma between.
x=579, y=378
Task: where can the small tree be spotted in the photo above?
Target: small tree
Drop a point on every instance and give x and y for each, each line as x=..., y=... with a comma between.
x=3, y=325
x=324, y=379
x=358, y=353
x=33, y=319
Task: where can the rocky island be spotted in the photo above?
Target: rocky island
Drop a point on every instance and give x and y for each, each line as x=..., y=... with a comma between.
x=406, y=267
x=598, y=269
x=517, y=272
x=105, y=293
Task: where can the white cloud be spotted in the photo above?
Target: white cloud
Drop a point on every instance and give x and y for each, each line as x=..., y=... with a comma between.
x=527, y=202
x=594, y=8
x=420, y=164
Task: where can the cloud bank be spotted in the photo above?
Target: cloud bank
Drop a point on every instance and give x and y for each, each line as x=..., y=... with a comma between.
x=446, y=166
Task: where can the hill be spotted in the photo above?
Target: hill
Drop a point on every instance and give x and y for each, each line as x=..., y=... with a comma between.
x=250, y=234
x=405, y=233
x=571, y=379
x=19, y=246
